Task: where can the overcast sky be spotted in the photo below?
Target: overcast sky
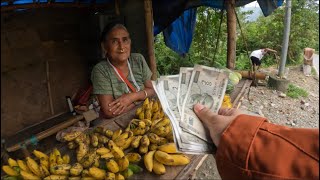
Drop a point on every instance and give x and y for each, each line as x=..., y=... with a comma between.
x=252, y=4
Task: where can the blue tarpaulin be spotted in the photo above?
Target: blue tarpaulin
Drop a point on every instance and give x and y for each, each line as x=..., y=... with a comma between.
x=176, y=19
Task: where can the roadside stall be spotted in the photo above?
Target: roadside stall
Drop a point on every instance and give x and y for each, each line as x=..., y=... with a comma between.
x=48, y=49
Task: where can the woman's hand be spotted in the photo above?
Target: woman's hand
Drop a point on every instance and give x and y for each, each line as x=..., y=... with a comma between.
x=119, y=105
x=216, y=123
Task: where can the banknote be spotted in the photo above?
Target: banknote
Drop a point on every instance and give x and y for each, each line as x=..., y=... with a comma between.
x=207, y=87
x=184, y=79
x=185, y=142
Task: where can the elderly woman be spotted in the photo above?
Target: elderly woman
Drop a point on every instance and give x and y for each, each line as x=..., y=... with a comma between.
x=122, y=78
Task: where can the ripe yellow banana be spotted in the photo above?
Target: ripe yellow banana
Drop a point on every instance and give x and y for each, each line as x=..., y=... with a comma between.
x=10, y=171
x=12, y=162
x=144, y=141
x=110, y=176
x=28, y=175
x=23, y=166
x=116, y=134
x=33, y=166
x=72, y=135
x=119, y=177
x=136, y=141
x=112, y=165
x=148, y=114
x=168, y=148
x=153, y=138
x=116, y=151
x=109, y=133
x=40, y=155
x=88, y=159
x=123, y=163
x=127, y=143
x=143, y=149
x=97, y=173
x=66, y=159
x=62, y=169
x=133, y=157
x=158, y=168
x=76, y=169
x=163, y=157
x=178, y=160
x=103, y=150
x=141, y=115
x=44, y=171
x=52, y=158
x=59, y=160
x=107, y=155
x=85, y=173
x=96, y=162
x=45, y=163
x=56, y=152
x=56, y=177
x=162, y=141
x=94, y=140
x=146, y=104
x=153, y=146
x=72, y=145
x=82, y=151
x=148, y=160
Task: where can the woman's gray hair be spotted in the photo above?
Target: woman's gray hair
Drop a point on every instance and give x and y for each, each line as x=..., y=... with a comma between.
x=109, y=27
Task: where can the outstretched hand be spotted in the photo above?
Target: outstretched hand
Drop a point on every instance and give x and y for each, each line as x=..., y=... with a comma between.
x=216, y=123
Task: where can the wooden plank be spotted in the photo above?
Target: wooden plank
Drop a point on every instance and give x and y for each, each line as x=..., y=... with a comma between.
x=190, y=169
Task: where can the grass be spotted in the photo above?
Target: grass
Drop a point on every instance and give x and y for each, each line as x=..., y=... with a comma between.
x=296, y=92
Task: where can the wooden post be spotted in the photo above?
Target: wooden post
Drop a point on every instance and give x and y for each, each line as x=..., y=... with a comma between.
x=117, y=7
x=150, y=38
x=231, y=29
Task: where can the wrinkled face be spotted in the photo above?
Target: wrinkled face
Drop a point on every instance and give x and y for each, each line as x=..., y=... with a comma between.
x=117, y=44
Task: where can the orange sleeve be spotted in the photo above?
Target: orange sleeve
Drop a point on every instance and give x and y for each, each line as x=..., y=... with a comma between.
x=252, y=148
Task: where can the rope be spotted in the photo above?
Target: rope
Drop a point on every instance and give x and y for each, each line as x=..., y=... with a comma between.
x=218, y=37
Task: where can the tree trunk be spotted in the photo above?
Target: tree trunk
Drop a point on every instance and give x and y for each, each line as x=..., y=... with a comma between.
x=231, y=29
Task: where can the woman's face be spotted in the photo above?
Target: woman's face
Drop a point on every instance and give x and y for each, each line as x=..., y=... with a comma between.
x=118, y=44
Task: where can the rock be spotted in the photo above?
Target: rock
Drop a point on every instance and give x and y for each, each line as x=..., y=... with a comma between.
x=302, y=101
x=282, y=95
x=307, y=104
x=272, y=105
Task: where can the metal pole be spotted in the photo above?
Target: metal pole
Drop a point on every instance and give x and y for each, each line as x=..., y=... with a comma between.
x=285, y=42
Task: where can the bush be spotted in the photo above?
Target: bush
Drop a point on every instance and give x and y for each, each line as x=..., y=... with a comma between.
x=296, y=92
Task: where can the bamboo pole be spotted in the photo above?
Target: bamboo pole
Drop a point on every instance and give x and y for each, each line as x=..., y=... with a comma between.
x=47, y=132
x=117, y=7
x=49, y=88
x=149, y=31
x=231, y=29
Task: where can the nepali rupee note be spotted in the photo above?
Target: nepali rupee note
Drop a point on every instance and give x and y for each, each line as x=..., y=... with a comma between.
x=184, y=79
x=207, y=86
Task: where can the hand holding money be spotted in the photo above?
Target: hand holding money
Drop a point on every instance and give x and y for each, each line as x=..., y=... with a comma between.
x=179, y=93
x=216, y=122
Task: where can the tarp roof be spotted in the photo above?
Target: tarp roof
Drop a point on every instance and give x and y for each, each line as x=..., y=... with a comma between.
x=175, y=18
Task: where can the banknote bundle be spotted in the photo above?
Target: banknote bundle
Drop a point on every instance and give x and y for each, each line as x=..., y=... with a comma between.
x=179, y=93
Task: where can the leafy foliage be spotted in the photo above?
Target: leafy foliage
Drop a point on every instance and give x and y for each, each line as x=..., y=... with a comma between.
x=264, y=32
x=296, y=92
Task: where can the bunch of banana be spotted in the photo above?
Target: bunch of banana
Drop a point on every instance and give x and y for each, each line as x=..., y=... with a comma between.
x=226, y=102
x=166, y=154
x=151, y=110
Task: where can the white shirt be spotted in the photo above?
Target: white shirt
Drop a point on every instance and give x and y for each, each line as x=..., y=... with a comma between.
x=258, y=53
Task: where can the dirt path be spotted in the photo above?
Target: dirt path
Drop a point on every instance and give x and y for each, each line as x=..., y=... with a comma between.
x=299, y=113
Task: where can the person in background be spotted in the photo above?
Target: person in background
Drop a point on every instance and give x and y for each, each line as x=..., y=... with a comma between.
x=122, y=78
x=257, y=55
x=249, y=147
